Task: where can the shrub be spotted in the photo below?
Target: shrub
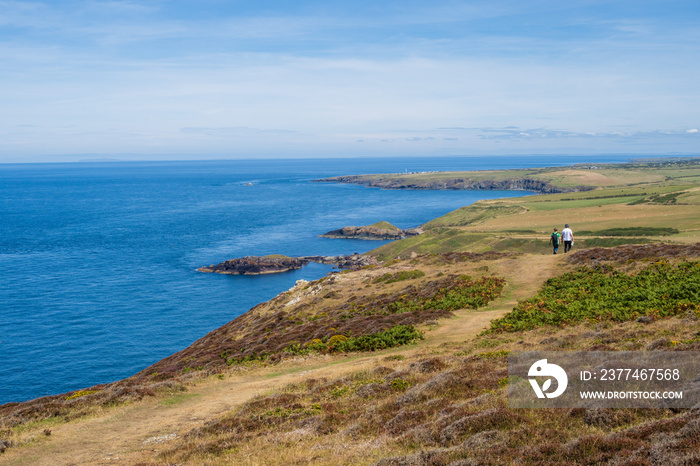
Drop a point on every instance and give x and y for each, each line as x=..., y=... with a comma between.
x=468, y=293
x=395, y=336
x=316, y=345
x=336, y=341
x=246, y=359
x=399, y=384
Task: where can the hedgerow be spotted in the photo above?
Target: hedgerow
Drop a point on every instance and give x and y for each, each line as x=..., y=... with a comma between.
x=601, y=293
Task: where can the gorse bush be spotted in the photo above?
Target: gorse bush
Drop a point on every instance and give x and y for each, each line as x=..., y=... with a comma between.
x=336, y=341
x=80, y=394
x=399, y=384
x=395, y=336
x=659, y=290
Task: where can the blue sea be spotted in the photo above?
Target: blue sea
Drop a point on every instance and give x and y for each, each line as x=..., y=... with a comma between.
x=97, y=260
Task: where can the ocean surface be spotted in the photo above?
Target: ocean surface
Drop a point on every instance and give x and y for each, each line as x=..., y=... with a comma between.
x=97, y=260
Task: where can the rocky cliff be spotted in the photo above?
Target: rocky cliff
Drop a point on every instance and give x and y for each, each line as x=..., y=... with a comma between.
x=398, y=182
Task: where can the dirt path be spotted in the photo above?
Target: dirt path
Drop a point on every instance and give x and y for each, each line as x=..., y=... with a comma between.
x=135, y=433
x=523, y=278
x=130, y=434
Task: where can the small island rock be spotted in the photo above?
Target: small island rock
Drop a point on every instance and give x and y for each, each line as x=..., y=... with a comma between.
x=256, y=265
x=376, y=231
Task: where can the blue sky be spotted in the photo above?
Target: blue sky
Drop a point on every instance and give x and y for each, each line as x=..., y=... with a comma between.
x=217, y=79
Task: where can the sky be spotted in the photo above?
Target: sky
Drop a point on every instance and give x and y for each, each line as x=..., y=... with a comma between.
x=158, y=79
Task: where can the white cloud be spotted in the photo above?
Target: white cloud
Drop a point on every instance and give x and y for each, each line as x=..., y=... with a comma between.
x=236, y=131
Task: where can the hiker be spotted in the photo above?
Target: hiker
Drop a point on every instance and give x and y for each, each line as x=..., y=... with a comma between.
x=554, y=240
x=568, y=236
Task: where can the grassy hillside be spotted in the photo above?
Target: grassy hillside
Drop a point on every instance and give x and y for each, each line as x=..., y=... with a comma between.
x=525, y=223
x=406, y=362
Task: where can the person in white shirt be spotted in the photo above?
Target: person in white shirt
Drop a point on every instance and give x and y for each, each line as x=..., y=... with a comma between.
x=568, y=237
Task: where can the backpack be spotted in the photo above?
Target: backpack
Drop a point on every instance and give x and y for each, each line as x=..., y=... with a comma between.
x=555, y=238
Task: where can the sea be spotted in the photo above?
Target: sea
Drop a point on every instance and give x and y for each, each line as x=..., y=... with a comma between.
x=98, y=261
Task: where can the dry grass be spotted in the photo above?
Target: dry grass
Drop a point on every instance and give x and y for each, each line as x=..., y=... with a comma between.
x=602, y=177
x=595, y=218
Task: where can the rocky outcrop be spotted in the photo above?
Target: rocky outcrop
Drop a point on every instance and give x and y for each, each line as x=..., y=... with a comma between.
x=369, y=233
x=398, y=182
x=344, y=262
x=256, y=265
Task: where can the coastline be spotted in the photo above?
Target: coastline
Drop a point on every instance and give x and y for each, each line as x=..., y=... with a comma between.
x=543, y=180
x=317, y=322
x=167, y=219
x=456, y=184
x=489, y=205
